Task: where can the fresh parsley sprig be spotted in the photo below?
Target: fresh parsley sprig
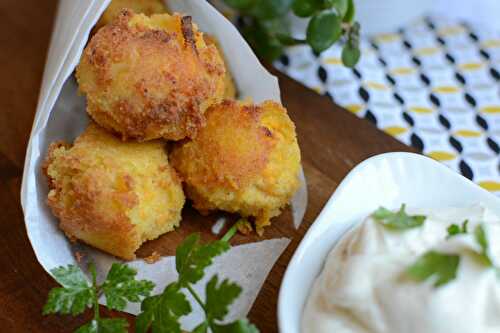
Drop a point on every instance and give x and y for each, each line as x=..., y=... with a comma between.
x=77, y=294
x=480, y=238
x=161, y=312
x=191, y=259
x=399, y=220
x=265, y=26
x=444, y=266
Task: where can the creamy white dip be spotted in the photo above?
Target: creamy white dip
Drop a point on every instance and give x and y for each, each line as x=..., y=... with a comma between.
x=364, y=288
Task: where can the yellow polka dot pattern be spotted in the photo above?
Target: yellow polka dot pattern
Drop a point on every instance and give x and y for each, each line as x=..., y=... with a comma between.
x=434, y=85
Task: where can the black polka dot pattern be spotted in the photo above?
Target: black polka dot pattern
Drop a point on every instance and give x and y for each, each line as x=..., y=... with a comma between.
x=418, y=86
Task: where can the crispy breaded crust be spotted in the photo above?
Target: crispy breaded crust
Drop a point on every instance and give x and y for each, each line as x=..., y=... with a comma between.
x=245, y=160
x=230, y=91
x=112, y=195
x=146, y=7
x=150, y=77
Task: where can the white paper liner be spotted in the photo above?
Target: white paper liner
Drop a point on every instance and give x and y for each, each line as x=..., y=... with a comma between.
x=61, y=116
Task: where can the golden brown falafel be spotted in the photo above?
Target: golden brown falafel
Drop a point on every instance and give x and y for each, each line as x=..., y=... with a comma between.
x=111, y=194
x=150, y=77
x=146, y=7
x=245, y=160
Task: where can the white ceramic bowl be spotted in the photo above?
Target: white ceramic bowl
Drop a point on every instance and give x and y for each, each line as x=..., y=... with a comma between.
x=385, y=180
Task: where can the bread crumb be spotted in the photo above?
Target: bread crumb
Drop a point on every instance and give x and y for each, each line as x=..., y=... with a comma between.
x=151, y=259
x=79, y=256
x=244, y=227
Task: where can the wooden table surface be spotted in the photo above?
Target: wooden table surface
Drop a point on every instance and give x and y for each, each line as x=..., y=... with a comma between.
x=332, y=140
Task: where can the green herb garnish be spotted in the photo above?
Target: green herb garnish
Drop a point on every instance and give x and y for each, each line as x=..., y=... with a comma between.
x=480, y=236
x=444, y=266
x=265, y=25
x=161, y=312
x=397, y=220
x=191, y=259
x=456, y=229
x=434, y=264
x=77, y=294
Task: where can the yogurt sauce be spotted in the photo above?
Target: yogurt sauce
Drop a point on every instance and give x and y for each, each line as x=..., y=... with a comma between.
x=364, y=287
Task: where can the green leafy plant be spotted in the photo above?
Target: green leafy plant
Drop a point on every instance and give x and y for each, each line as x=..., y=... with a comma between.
x=160, y=313
x=77, y=294
x=399, y=220
x=264, y=24
x=191, y=258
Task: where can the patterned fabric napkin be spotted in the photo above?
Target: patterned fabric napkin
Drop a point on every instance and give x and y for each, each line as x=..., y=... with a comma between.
x=434, y=85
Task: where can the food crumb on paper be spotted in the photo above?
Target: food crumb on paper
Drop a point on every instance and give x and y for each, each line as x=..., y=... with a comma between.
x=79, y=256
x=154, y=257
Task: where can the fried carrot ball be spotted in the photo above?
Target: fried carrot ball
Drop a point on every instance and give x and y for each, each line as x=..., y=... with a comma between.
x=150, y=77
x=147, y=7
x=246, y=160
x=111, y=194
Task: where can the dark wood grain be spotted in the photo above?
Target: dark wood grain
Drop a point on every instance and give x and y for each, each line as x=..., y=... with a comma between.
x=332, y=140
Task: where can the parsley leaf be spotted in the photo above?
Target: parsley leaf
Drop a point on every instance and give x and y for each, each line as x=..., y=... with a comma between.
x=114, y=325
x=75, y=295
x=191, y=258
x=162, y=312
x=147, y=315
x=397, y=220
x=239, y=326
x=455, y=229
x=439, y=265
x=480, y=237
x=202, y=328
x=220, y=297
x=121, y=286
